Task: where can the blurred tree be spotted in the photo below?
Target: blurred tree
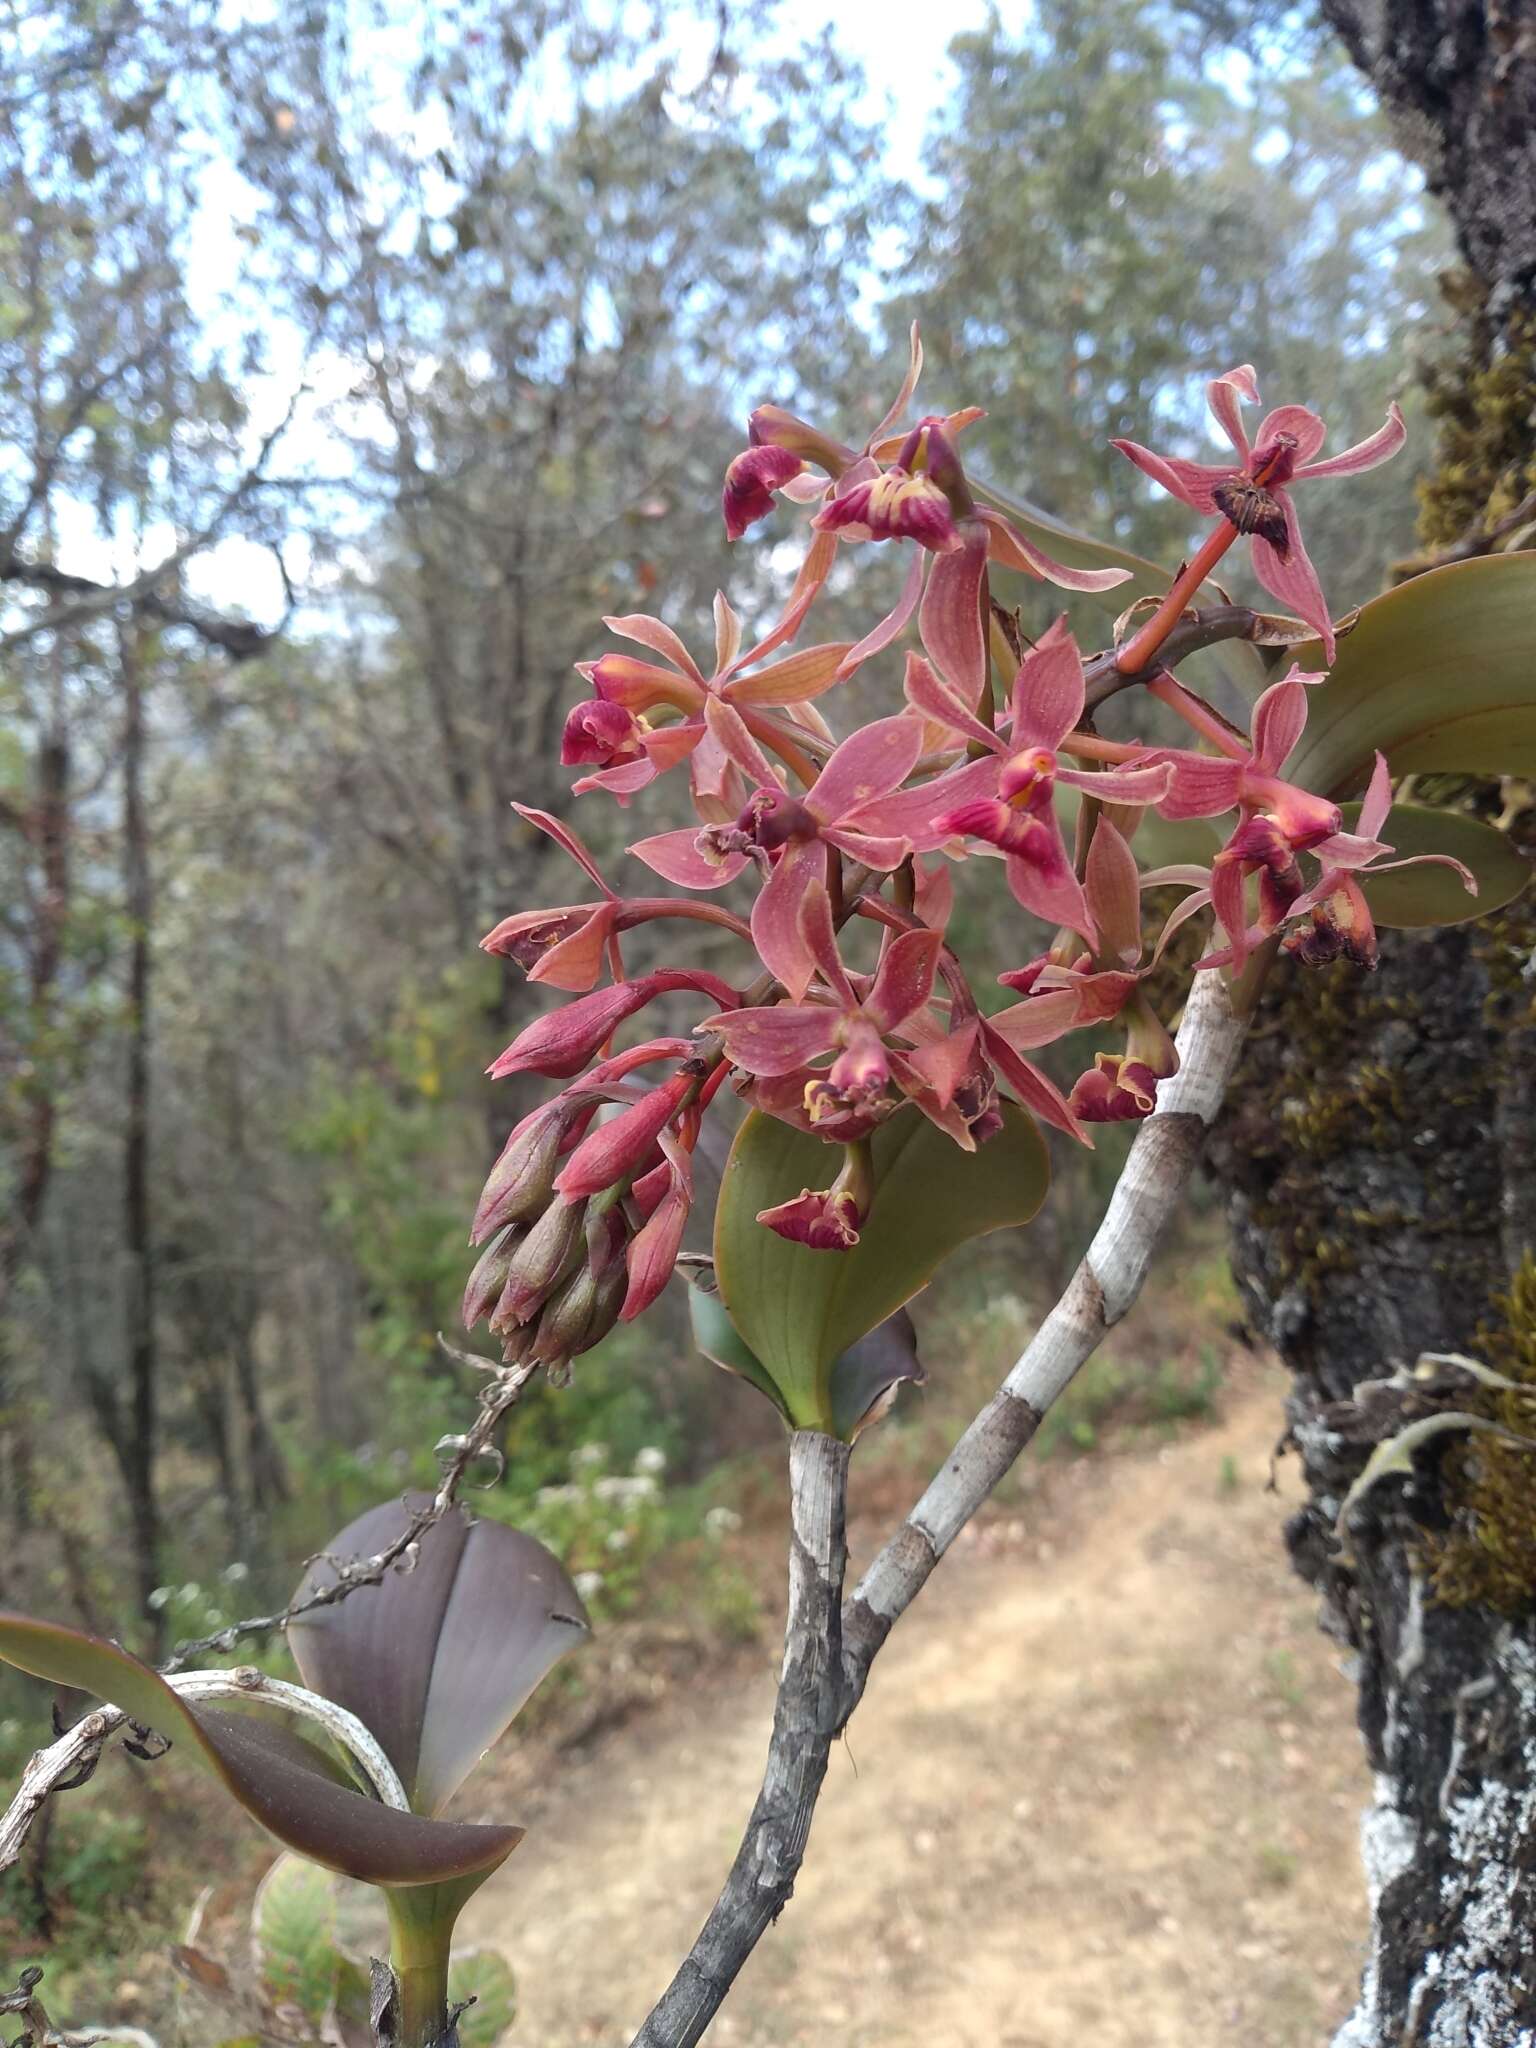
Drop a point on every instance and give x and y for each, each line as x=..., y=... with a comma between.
x=1118, y=214
x=1407, y=1107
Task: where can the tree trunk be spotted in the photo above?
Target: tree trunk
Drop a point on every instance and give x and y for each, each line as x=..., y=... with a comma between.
x=137, y=1452
x=1458, y=81
x=1379, y=1166
x=1379, y=1161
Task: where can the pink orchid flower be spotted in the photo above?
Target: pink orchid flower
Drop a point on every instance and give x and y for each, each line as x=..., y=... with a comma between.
x=909, y=487
x=1338, y=919
x=781, y=1038
x=855, y=806
x=718, y=714
x=1277, y=820
x=1252, y=494
x=1017, y=812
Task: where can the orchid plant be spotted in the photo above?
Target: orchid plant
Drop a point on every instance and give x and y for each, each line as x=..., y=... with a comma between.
x=892, y=1102
x=978, y=749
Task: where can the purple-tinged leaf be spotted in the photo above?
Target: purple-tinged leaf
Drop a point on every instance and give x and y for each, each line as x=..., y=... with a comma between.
x=438, y=1659
x=286, y=1783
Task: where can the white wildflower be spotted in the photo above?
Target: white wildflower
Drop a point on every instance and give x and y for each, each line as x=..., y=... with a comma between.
x=722, y=1522
x=589, y=1584
x=652, y=1461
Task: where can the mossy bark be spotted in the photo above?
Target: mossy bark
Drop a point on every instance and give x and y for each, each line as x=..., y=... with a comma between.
x=1380, y=1161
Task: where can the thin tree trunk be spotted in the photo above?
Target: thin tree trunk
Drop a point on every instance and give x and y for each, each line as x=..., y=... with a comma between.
x=1377, y=1143
x=138, y=1449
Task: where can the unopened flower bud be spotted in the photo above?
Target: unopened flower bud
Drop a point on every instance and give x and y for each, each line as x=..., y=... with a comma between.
x=616, y=1146
x=546, y=1255
x=523, y=1178
x=484, y=1287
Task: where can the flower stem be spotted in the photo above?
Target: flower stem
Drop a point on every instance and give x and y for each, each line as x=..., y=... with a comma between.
x=1208, y=723
x=418, y=1954
x=1138, y=651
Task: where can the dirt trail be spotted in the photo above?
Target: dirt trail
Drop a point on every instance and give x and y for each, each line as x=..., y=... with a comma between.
x=1103, y=1790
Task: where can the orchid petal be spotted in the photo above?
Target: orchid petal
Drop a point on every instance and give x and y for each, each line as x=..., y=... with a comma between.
x=1225, y=396
x=567, y=840
x=1043, y=882
x=1005, y=544
x=675, y=856
x=1228, y=898
x=880, y=854
x=950, y=617
x=910, y=813
x=621, y=780
x=793, y=680
x=777, y=1039
x=820, y=935
x=727, y=633
x=814, y=571
x=1279, y=719
x=893, y=625
x=1038, y=1020
x=728, y=728
x=1192, y=483
x=1367, y=454
x=1137, y=786
x=1113, y=885
x=1292, y=578
x=908, y=385
x=1203, y=785
x=1048, y=690
x=576, y=962
x=649, y=632
x=776, y=929
x=869, y=765
x=1039, y=1095
x=928, y=693
x=1300, y=423
x=904, y=980
x=1377, y=801
x=641, y=686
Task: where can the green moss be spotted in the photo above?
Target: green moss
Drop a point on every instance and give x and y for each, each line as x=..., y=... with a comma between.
x=1300, y=1114
x=1484, y=401
x=1487, y=1557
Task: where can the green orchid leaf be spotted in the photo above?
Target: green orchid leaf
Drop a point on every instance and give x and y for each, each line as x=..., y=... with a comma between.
x=437, y=1660
x=484, y=1975
x=293, y=1937
x=797, y=1310
x=282, y=1781
x=1439, y=675
x=717, y=1337
x=1429, y=895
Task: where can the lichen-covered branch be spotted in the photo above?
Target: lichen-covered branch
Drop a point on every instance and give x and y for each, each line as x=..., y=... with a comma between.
x=807, y=1716
x=1101, y=1291
x=828, y=1652
x=502, y=1390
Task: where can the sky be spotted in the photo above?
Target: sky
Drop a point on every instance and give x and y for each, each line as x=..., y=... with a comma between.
x=901, y=47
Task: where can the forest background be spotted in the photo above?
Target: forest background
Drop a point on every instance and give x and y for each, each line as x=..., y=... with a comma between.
x=354, y=361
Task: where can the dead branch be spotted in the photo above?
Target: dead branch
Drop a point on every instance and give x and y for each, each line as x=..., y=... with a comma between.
x=827, y=1653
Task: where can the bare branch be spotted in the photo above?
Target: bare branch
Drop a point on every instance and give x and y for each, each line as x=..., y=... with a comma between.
x=1103, y=1289
x=807, y=1716
x=828, y=1654
x=82, y=598
x=59, y=1768
x=501, y=1393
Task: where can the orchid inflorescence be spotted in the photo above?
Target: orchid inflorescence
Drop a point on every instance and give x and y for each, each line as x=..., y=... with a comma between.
x=582, y=1218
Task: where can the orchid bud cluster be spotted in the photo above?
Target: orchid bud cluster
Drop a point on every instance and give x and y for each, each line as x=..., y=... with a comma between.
x=584, y=1213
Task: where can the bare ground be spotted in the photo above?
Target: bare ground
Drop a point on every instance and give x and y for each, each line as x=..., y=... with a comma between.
x=1103, y=1790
